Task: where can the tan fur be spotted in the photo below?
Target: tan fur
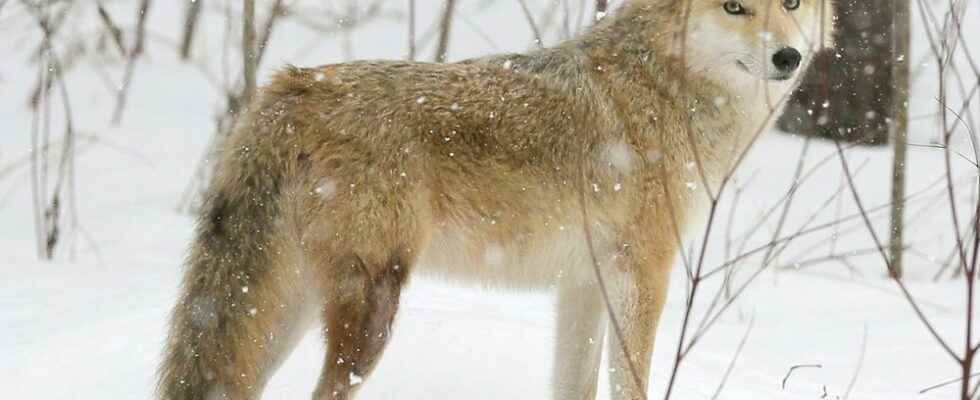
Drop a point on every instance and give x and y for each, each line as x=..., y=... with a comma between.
x=345, y=179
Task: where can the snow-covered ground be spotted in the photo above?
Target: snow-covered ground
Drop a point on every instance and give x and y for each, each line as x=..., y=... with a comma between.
x=91, y=323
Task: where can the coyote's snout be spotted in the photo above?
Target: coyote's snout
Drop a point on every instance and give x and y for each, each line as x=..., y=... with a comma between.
x=768, y=39
x=517, y=170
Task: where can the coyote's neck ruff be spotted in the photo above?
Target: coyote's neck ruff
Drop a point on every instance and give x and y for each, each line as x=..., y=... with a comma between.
x=525, y=170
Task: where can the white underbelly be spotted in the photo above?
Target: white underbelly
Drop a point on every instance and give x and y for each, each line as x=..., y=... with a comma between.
x=527, y=263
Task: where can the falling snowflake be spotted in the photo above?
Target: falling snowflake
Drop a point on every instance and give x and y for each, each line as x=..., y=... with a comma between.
x=618, y=155
x=325, y=188
x=493, y=256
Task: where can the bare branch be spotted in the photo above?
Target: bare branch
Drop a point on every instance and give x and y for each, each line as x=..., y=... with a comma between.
x=411, y=30
x=538, y=41
x=193, y=14
x=794, y=368
x=887, y=260
x=860, y=364
x=946, y=383
x=50, y=226
x=134, y=54
x=248, y=49
x=731, y=365
x=114, y=32
x=445, y=26
x=277, y=11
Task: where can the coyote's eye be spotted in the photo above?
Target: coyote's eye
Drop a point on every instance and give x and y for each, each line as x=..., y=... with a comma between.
x=791, y=4
x=735, y=8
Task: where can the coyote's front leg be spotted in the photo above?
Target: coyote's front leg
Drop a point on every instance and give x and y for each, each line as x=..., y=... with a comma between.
x=638, y=294
x=578, y=340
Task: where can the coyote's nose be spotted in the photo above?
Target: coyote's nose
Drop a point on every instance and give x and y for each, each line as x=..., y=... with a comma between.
x=787, y=60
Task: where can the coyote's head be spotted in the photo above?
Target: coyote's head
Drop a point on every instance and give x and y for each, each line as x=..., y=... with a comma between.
x=751, y=40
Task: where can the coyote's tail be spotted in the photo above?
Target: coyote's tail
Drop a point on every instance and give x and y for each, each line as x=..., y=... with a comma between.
x=221, y=329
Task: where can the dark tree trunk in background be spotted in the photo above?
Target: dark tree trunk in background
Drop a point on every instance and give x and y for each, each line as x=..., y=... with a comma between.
x=848, y=94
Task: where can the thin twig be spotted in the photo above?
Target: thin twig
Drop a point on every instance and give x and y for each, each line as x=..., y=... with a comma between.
x=445, y=26
x=193, y=14
x=51, y=222
x=411, y=30
x=731, y=364
x=946, y=383
x=538, y=41
x=277, y=10
x=860, y=364
x=248, y=50
x=887, y=260
x=796, y=367
x=114, y=32
x=134, y=54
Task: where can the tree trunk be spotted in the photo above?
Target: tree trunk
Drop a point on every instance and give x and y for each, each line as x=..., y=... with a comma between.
x=847, y=94
x=900, y=55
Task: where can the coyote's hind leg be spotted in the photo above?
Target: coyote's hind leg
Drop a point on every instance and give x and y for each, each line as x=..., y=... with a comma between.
x=358, y=315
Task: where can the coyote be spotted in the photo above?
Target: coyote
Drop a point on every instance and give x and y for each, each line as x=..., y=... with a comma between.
x=560, y=168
